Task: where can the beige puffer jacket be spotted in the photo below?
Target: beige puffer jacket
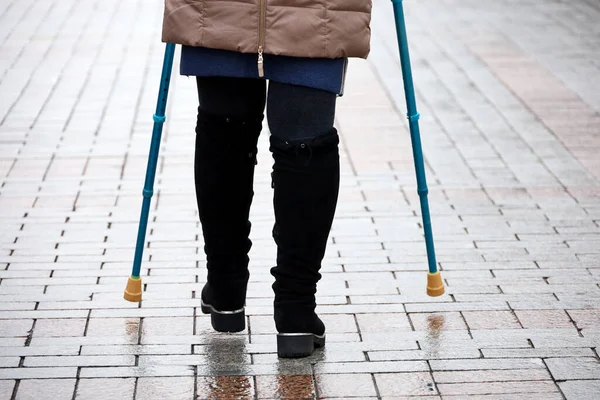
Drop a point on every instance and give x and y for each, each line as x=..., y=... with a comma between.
x=298, y=28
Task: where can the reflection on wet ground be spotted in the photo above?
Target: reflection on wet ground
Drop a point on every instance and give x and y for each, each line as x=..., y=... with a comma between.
x=225, y=387
x=229, y=375
x=435, y=328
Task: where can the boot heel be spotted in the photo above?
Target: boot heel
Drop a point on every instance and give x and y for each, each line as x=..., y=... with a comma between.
x=296, y=345
x=228, y=322
x=225, y=321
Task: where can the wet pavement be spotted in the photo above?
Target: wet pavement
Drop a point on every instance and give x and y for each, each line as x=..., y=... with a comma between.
x=510, y=102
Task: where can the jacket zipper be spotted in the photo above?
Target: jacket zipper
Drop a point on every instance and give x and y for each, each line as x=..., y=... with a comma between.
x=261, y=38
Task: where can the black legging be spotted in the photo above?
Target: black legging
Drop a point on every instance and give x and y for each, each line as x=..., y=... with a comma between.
x=293, y=112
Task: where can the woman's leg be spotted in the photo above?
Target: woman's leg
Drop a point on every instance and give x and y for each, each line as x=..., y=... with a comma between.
x=229, y=123
x=306, y=177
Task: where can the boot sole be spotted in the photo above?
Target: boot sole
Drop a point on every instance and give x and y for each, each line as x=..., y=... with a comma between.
x=297, y=345
x=225, y=321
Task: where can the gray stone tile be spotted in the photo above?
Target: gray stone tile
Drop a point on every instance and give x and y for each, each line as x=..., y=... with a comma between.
x=15, y=327
x=79, y=361
x=383, y=322
x=492, y=376
x=537, y=353
x=59, y=327
x=6, y=388
x=541, y=388
x=573, y=368
x=580, y=390
x=486, y=364
x=131, y=372
x=99, y=389
x=38, y=373
x=371, y=367
x=407, y=384
x=345, y=385
x=51, y=388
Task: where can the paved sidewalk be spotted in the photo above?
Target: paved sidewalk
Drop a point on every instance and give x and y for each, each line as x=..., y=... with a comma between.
x=509, y=94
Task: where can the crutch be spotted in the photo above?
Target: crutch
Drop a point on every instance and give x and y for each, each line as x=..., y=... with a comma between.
x=133, y=291
x=435, y=285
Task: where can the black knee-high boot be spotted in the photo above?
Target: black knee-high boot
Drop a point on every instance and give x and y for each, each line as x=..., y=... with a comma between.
x=224, y=170
x=306, y=177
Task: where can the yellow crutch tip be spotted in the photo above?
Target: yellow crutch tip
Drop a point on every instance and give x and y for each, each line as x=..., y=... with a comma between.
x=435, y=285
x=133, y=291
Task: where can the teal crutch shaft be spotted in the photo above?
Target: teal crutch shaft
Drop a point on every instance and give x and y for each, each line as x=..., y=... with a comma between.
x=415, y=134
x=148, y=192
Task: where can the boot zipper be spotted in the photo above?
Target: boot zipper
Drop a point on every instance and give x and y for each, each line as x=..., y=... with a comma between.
x=261, y=38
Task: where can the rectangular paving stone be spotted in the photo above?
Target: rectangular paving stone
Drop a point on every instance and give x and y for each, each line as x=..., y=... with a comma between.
x=491, y=320
x=79, y=361
x=128, y=327
x=487, y=364
x=574, y=368
x=60, y=389
x=100, y=389
x=142, y=312
x=585, y=318
x=176, y=340
x=15, y=327
x=345, y=385
x=543, y=319
x=406, y=384
x=131, y=372
x=580, y=390
x=135, y=349
x=9, y=362
x=19, y=351
x=168, y=326
x=38, y=373
x=17, y=306
x=539, y=387
x=429, y=354
x=43, y=314
x=567, y=342
x=449, y=307
x=84, y=340
x=195, y=359
x=6, y=388
x=383, y=322
x=537, y=353
x=59, y=327
x=492, y=376
x=371, y=367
